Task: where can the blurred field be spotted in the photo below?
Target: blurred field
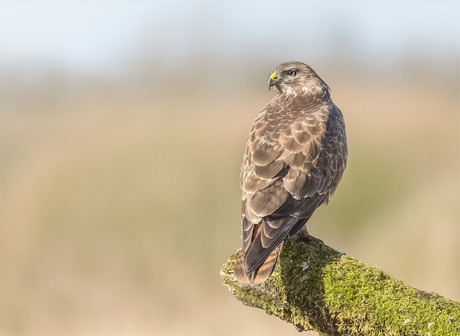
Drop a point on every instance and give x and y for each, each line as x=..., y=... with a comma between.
x=119, y=208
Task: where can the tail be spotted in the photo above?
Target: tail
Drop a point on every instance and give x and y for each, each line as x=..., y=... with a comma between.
x=260, y=274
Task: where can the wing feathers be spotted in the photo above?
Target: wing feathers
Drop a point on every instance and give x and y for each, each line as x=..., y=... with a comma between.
x=252, y=183
x=263, y=153
x=289, y=143
x=270, y=170
x=267, y=200
x=295, y=186
x=292, y=165
x=262, y=246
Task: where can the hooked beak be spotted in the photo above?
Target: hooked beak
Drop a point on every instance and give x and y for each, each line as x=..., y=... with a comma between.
x=273, y=80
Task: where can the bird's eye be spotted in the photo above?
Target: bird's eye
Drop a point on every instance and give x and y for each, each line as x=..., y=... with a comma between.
x=292, y=73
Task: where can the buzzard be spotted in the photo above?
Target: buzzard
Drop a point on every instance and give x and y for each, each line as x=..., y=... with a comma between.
x=293, y=162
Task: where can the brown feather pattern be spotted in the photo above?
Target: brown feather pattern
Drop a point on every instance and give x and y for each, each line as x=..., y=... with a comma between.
x=293, y=162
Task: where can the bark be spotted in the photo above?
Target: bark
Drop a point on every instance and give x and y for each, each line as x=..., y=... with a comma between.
x=315, y=287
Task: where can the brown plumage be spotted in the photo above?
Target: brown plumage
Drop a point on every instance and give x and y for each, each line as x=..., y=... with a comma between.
x=294, y=160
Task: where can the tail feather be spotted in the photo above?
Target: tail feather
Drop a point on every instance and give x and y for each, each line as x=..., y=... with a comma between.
x=260, y=274
x=239, y=272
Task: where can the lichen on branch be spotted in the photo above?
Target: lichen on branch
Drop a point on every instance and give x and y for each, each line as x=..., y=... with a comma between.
x=315, y=287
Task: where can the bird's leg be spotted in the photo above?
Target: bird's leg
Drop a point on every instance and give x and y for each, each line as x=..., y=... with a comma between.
x=305, y=237
x=303, y=234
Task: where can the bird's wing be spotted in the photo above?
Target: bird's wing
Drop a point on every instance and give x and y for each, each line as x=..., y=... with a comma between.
x=286, y=175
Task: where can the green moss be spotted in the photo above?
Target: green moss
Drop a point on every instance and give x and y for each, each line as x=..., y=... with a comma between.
x=314, y=287
x=366, y=299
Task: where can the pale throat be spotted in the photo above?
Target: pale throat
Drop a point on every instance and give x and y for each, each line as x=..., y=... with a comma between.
x=305, y=91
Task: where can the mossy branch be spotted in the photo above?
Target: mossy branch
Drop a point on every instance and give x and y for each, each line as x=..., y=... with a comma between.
x=317, y=288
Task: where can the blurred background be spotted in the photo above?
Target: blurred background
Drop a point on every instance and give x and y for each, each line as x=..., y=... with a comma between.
x=123, y=126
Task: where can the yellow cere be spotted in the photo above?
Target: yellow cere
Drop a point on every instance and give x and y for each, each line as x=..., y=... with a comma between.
x=273, y=75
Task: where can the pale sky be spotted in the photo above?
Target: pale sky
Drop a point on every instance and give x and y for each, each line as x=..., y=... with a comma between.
x=84, y=35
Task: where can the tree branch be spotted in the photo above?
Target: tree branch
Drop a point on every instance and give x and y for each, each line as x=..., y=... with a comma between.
x=317, y=288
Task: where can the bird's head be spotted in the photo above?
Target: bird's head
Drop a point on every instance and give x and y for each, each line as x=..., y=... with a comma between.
x=294, y=76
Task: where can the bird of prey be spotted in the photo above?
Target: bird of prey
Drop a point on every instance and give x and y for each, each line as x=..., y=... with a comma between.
x=293, y=162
